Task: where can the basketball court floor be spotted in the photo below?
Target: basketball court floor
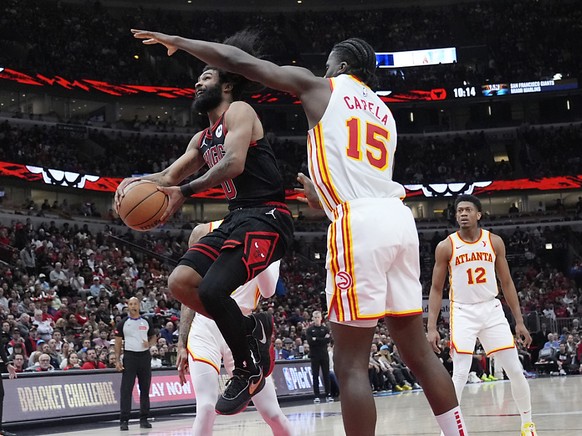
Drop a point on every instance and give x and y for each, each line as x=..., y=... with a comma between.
x=488, y=408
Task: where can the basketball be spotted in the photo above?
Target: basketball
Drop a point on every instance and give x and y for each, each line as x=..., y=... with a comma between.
x=142, y=205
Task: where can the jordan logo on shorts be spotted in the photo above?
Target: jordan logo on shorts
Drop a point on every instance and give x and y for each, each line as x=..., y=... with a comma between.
x=272, y=213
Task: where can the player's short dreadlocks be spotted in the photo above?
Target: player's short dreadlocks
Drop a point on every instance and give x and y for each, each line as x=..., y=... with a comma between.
x=361, y=59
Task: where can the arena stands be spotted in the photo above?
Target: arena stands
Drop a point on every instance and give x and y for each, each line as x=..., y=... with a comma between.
x=103, y=264
x=546, y=44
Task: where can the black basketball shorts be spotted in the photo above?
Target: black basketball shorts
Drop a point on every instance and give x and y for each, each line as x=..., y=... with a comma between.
x=258, y=236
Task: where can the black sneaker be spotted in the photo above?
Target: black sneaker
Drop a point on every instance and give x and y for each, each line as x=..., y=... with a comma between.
x=6, y=433
x=261, y=342
x=144, y=423
x=239, y=390
x=124, y=426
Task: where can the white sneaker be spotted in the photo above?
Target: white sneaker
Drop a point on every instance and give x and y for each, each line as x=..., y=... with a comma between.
x=316, y=400
x=329, y=400
x=473, y=378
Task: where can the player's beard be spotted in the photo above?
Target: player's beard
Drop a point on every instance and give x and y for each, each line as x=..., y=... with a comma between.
x=208, y=100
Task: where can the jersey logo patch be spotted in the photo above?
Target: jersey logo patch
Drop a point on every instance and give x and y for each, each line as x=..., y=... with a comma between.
x=343, y=280
x=272, y=213
x=258, y=251
x=218, y=132
x=484, y=243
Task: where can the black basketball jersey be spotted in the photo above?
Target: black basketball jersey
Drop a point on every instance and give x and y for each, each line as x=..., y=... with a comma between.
x=259, y=183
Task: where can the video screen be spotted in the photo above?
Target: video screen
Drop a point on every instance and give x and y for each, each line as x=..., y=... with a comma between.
x=495, y=89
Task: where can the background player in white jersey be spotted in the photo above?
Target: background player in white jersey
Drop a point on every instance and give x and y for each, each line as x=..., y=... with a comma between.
x=373, y=270
x=475, y=258
x=201, y=348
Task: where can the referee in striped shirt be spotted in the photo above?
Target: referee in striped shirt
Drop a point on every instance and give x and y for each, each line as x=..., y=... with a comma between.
x=138, y=336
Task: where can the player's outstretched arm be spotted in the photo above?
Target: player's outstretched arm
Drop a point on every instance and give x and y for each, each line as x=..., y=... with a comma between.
x=442, y=255
x=291, y=79
x=508, y=288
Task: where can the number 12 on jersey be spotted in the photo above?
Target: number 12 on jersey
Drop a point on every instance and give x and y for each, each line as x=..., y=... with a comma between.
x=376, y=140
x=476, y=276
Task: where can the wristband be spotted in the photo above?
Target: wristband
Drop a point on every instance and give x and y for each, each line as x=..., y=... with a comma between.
x=187, y=190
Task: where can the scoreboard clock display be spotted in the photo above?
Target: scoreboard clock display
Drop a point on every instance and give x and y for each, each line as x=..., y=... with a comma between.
x=464, y=92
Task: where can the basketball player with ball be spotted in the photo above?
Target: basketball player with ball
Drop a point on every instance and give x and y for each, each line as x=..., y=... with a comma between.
x=373, y=270
x=255, y=233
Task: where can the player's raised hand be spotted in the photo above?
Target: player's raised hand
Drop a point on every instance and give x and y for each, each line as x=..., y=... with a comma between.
x=308, y=190
x=150, y=38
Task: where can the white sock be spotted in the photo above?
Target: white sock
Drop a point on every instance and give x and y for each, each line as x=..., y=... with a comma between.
x=525, y=417
x=519, y=385
x=452, y=422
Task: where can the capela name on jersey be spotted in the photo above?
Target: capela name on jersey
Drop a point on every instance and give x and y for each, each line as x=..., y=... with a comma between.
x=356, y=103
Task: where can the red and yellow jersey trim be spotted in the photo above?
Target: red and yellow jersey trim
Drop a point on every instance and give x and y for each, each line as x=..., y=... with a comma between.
x=468, y=242
x=202, y=359
x=507, y=347
x=491, y=243
x=320, y=170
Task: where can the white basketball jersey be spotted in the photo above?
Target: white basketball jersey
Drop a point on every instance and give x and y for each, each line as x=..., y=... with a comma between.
x=472, y=270
x=351, y=149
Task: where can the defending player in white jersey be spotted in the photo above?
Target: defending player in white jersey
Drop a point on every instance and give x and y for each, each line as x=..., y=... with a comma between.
x=475, y=258
x=201, y=348
x=372, y=261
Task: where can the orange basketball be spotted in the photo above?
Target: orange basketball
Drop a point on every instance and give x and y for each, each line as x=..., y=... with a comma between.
x=142, y=205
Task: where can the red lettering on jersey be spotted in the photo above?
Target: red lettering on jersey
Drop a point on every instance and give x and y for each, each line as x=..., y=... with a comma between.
x=473, y=257
x=355, y=103
x=347, y=101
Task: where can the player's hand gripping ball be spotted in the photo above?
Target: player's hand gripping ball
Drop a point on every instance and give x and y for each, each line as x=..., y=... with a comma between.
x=141, y=205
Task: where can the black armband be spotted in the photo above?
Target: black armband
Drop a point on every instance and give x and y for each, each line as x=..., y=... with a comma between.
x=187, y=190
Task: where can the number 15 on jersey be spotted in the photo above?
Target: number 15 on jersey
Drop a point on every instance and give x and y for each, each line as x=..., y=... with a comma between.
x=375, y=143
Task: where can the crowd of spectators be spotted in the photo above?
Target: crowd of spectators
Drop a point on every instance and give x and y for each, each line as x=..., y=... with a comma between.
x=64, y=288
x=544, y=45
x=536, y=152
